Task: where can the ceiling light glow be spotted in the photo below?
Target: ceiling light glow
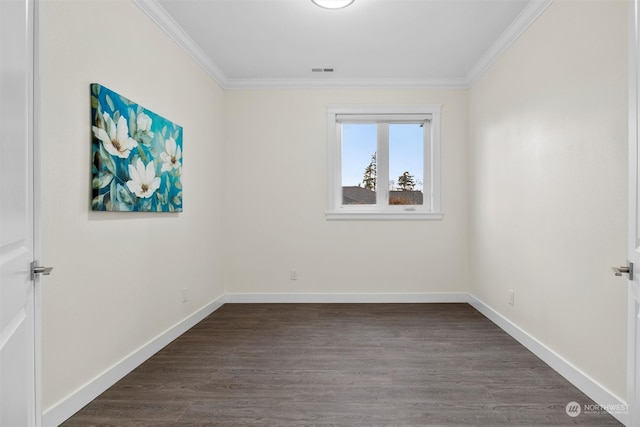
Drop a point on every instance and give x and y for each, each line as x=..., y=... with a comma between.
x=332, y=4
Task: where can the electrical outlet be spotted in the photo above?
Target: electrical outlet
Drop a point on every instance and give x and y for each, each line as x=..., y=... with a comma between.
x=185, y=294
x=511, y=297
x=293, y=275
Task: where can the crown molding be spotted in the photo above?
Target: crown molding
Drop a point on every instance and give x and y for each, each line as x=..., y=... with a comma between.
x=529, y=14
x=162, y=19
x=339, y=83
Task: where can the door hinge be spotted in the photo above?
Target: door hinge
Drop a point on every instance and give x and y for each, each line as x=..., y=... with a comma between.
x=626, y=269
x=37, y=269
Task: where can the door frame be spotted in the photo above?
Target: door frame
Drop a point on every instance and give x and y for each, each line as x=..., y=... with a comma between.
x=34, y=129
x=632, y=345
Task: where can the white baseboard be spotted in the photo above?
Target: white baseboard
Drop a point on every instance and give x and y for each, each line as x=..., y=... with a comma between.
x=420, y=297
x=603, y=397
x=76, y=401
x=64, y=409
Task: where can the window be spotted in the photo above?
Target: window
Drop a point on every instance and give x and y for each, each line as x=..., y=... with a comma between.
x=384, y=162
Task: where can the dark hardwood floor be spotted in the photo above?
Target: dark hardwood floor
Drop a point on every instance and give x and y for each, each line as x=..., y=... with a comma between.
x=341, y=365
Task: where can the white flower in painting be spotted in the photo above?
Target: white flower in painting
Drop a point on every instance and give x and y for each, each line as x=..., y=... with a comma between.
x=143, y=179
x=143, y=123
x=171, y=155
x=115, y=138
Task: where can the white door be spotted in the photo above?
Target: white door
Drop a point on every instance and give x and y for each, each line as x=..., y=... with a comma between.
x=17, y=335
x=633, y=322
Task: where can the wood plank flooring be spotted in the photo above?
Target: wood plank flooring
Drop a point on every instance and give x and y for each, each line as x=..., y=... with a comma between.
x=341, y=365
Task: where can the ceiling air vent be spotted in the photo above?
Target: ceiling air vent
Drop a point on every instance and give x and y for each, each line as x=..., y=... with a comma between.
x=322, y=69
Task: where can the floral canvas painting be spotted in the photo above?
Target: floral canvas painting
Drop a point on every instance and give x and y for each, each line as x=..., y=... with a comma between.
x=136, y=156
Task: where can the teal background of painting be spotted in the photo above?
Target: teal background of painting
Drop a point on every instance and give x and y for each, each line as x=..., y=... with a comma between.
x=110, y=173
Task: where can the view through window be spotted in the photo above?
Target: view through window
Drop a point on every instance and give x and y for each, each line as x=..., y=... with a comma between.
x=385, y=162
x=405, y=169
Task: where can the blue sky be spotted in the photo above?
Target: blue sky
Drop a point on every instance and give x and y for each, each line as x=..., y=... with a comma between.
x=405, y=151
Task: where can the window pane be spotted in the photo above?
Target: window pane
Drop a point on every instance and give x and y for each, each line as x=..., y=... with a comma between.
x=406, y=163
x=359, y=142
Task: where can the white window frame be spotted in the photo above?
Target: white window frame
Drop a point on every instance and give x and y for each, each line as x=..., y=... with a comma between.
x=430, y=209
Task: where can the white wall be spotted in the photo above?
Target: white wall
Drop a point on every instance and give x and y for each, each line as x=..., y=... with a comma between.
x=533, y=193
x=548, y=146
x=276, y=200
x=118, y=277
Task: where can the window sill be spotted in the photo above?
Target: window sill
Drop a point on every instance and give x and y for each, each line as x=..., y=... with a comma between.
x=384, y=216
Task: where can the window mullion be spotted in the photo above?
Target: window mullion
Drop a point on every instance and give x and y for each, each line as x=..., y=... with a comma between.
x=382, y=158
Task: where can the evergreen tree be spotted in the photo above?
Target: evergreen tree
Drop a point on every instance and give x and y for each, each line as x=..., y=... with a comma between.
x=406, y=182
x=370, y=174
